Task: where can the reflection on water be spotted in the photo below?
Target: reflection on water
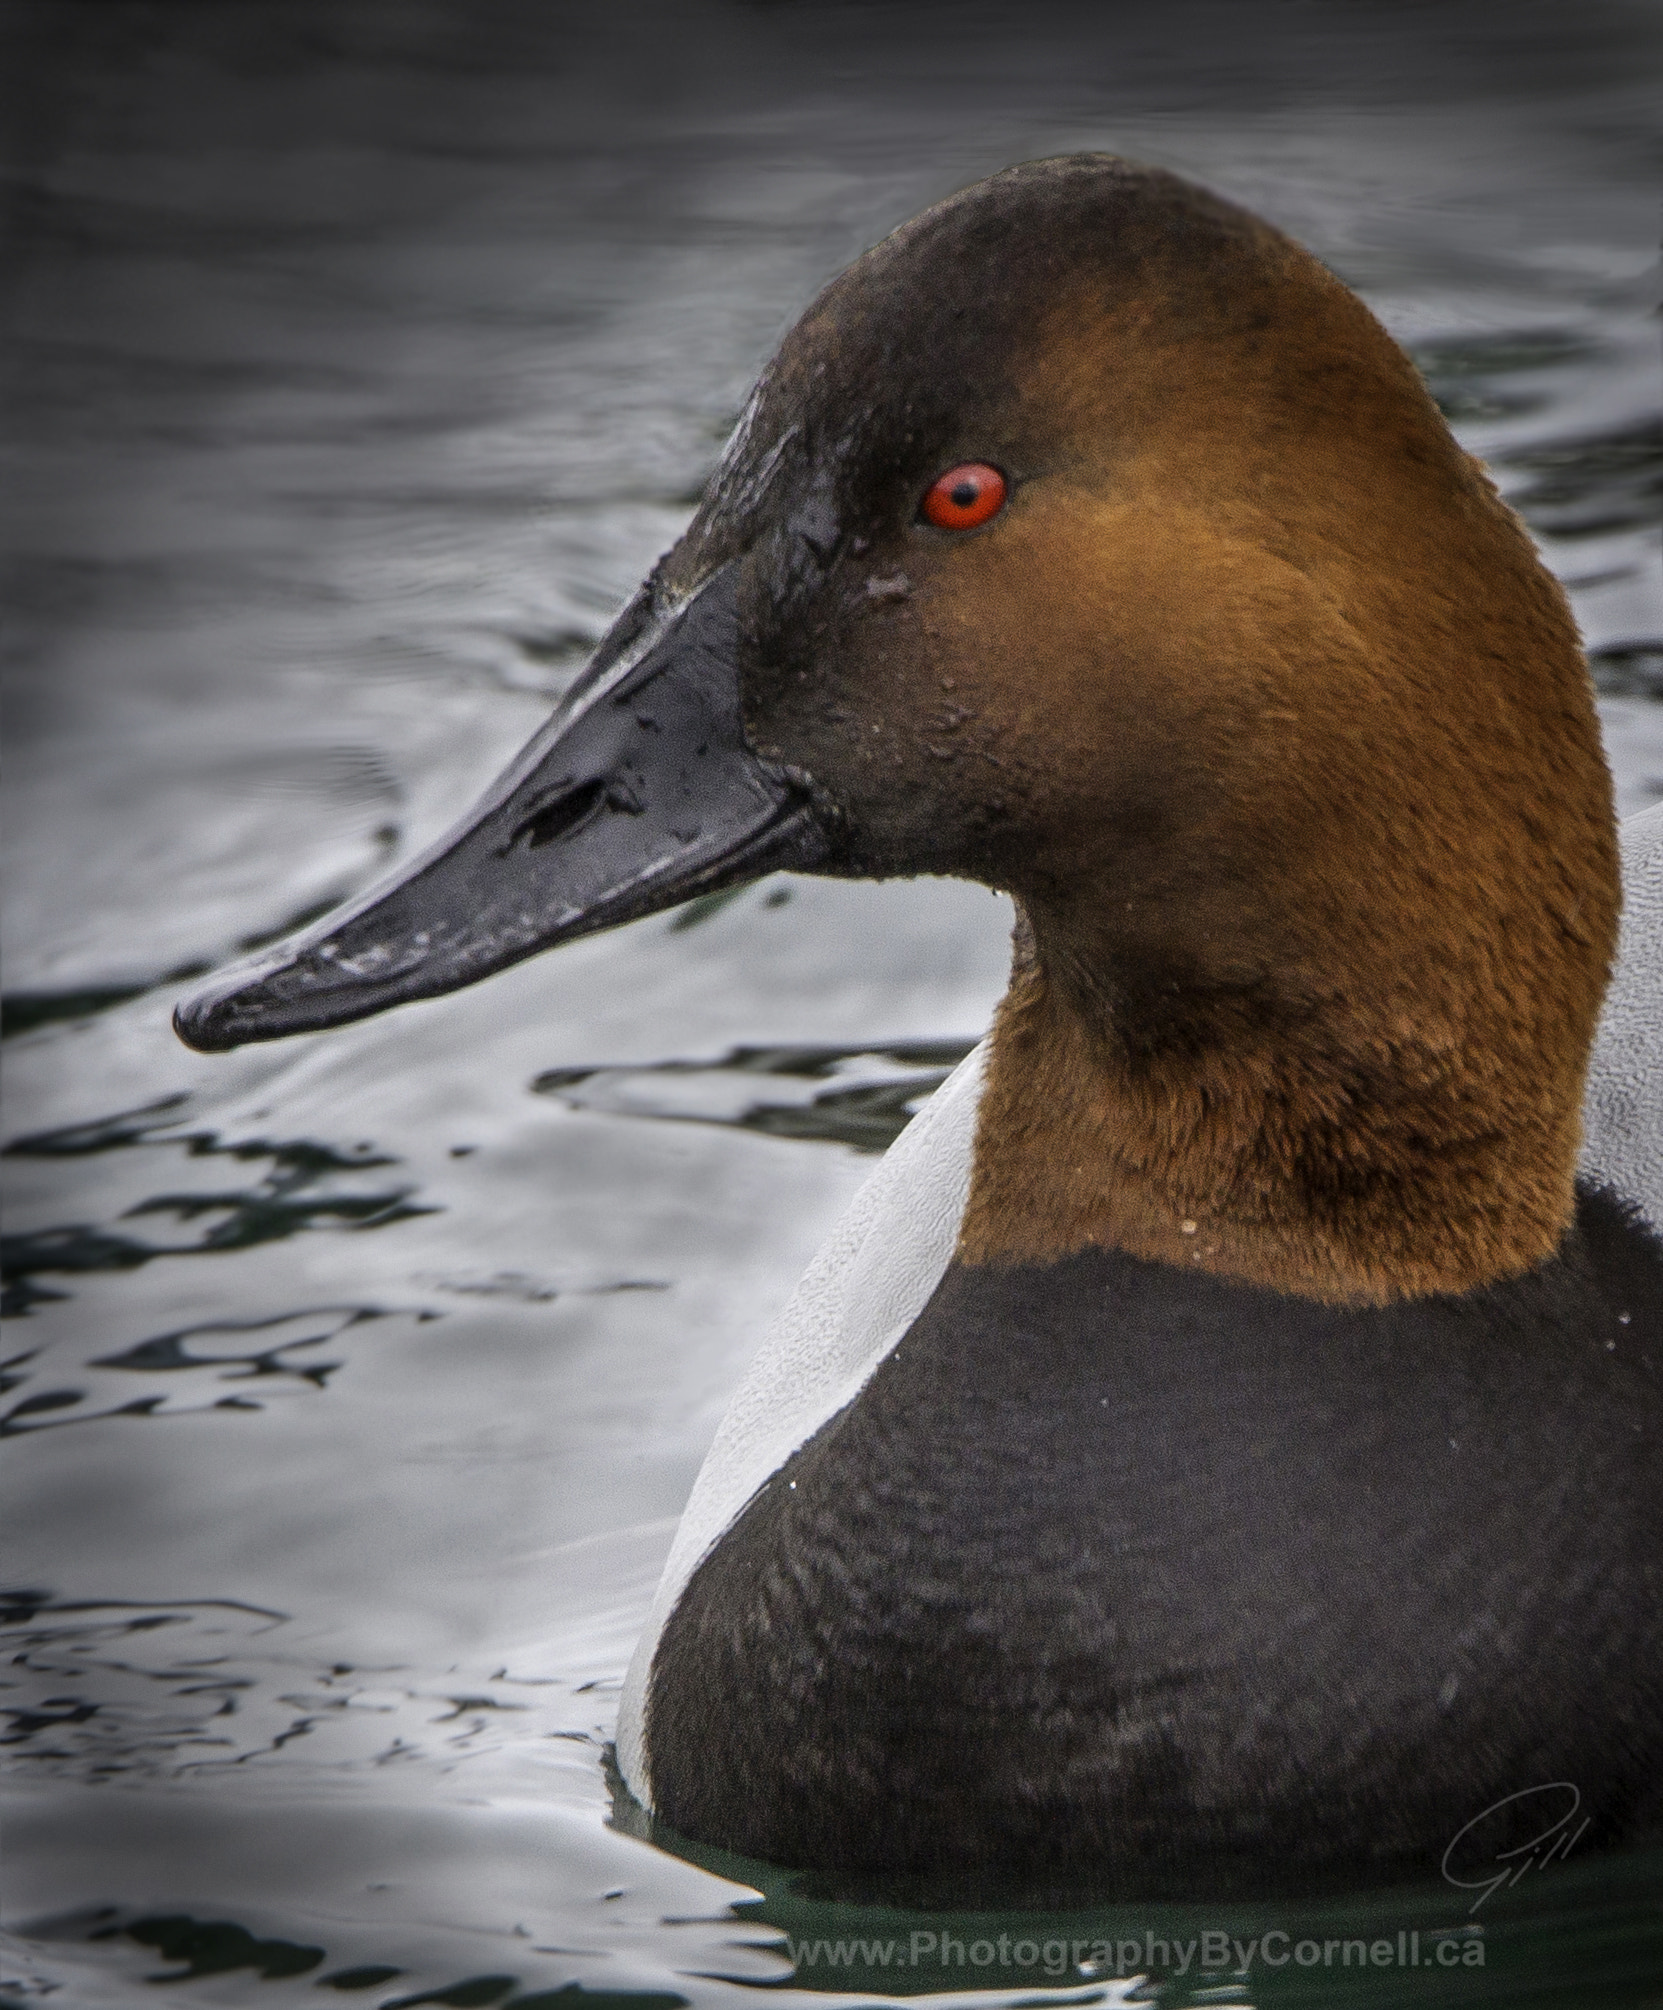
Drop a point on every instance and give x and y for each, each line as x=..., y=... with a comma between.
x=239, y=1350
x=878, y=1089
x=1632, y=670
x=299, y=1189
x=1323, y=1949
x=366, y=356
x=1595, y=486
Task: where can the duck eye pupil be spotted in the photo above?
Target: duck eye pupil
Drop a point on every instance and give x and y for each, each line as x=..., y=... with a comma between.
x=965, y=497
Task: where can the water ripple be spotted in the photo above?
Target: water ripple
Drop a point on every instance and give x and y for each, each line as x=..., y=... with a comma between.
x=303, y=1188
x=879, y=1089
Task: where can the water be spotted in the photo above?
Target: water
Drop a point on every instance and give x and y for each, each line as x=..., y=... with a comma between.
x=364, y=357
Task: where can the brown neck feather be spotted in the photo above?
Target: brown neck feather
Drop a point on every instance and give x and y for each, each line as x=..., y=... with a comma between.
x=1334, y=1148
x=1320, y=883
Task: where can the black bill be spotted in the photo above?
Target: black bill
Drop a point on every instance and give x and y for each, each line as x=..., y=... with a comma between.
x=639, y=793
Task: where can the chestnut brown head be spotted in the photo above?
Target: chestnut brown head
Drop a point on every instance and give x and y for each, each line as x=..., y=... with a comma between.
x=1088, y=538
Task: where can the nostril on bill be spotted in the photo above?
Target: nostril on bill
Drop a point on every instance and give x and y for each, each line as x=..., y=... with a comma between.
x=556, y=819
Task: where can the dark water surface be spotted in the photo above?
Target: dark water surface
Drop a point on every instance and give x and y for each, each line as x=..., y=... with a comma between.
x=362, y=358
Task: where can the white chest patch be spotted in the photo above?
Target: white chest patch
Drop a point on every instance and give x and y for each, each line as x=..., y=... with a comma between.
x=884, y=1259
x=859, y=1295
x=1622, y=1111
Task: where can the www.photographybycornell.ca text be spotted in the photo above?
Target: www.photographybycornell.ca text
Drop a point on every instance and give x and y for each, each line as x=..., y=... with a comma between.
x=1479, y=1859
x=1209, y=1952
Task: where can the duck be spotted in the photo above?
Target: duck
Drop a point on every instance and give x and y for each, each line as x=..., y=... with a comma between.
x=1222, y=1447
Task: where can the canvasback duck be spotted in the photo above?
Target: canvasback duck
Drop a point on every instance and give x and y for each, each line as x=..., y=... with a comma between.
x=1221, y=1448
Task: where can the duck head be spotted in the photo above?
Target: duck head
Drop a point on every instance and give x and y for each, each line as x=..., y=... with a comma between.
x=1089, y=539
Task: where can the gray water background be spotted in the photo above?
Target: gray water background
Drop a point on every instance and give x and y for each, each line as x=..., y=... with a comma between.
x=361, y=358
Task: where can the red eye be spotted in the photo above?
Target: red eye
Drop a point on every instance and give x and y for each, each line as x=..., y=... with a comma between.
x=964, y=497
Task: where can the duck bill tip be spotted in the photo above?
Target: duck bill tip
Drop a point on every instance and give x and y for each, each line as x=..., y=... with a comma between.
x=640, y=793
x=272, y=997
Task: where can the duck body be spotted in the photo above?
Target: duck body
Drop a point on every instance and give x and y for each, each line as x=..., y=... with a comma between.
x=1220, y=1590
x=1112, y=1570
x=1223, y=1443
